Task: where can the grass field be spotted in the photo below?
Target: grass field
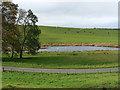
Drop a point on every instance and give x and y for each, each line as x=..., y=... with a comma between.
x=76, y=35
x=15, y=79
x=66, y=60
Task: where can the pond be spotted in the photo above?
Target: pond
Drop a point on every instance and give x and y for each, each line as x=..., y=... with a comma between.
x=75, y=48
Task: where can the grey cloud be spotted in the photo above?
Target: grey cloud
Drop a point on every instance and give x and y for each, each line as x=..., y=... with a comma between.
x=79, y=14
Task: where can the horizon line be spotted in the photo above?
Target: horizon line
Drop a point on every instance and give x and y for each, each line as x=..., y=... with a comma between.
x=81, y=27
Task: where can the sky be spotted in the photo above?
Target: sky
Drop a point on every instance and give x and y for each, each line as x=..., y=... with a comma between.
x=74, y=13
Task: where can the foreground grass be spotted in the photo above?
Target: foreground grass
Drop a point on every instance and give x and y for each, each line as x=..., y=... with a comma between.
x=12, y=79
x=76, y=35
x=66, y=60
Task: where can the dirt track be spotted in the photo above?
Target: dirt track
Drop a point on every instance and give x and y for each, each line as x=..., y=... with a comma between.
x=61, y=70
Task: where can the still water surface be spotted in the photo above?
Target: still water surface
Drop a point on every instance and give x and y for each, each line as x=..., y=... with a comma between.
x=75, y=48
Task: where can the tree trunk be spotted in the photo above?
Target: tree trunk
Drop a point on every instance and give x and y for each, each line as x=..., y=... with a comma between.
x=20, y=53
x=12, y=53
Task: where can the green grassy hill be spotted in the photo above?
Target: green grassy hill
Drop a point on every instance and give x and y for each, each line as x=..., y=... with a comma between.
x=77, y=35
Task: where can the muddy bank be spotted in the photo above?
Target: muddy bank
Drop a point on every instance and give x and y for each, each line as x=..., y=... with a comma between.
x=81, y=44
x=44, y=47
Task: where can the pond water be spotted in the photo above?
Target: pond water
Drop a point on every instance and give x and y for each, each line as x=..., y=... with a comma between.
x=75, y=48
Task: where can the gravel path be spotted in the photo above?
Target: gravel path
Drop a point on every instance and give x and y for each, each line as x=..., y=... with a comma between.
x=61, y=70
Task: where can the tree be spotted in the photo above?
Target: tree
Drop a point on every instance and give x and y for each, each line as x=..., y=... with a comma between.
x=30, y=31
x=10, y=32
x=19, y=29
x=32, y=39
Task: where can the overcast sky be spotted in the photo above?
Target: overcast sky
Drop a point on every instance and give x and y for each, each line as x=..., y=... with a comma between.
x=73, y=14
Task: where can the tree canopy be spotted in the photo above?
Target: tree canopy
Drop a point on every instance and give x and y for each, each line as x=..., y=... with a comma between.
x=19, y=30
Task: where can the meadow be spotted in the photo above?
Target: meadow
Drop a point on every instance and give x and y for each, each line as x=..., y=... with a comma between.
x=65, y=60
x=77, y=35
x=14, y=79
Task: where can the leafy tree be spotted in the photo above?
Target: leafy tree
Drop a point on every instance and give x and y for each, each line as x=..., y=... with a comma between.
x=30, y=31
x=32, y=39
x=10, y=33
x=19, y=29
